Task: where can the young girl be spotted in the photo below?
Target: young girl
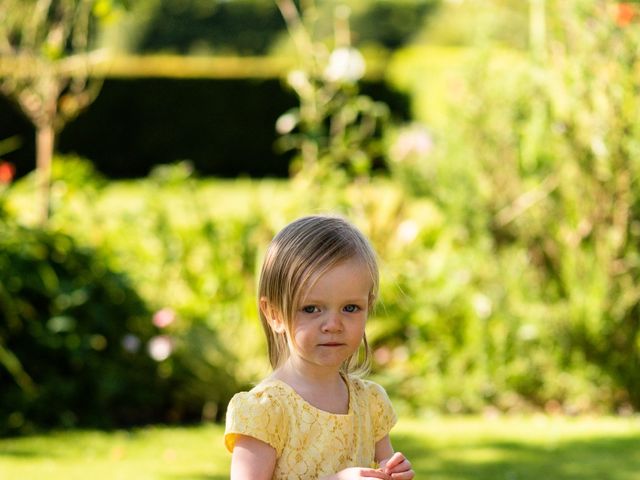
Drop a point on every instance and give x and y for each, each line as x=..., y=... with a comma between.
x=314, y=417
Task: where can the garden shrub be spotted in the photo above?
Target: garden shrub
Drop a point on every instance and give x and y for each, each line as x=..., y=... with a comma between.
x=535, y=161
x=72, y=338
x=155, y=344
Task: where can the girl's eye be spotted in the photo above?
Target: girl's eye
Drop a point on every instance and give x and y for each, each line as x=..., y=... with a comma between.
x=351, y=308
x=310, y=309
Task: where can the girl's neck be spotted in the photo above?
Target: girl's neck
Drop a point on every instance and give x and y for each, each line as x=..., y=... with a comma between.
x=324, y=389
x=296, y=372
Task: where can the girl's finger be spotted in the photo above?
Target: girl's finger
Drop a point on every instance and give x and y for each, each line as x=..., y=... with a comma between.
x=396, y=459
x=408, y=475
x=403, y=466
x=373, y=473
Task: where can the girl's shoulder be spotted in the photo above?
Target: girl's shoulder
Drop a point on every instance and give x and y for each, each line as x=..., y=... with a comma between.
x=366, y=387
x=371, y=397
x=267, y=391
x=260, y=413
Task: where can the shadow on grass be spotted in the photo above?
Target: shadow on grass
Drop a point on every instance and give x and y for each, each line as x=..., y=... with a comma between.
x=18, y=452
x=610, y=458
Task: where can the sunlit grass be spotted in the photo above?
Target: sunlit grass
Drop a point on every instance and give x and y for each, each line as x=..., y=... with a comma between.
x=217, y=198
x=552, y=448
x=151, y=453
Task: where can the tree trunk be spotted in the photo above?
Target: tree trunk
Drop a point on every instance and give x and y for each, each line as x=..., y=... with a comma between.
x=45, y=136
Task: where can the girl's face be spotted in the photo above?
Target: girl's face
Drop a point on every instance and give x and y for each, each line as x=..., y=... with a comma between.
x=330, y=321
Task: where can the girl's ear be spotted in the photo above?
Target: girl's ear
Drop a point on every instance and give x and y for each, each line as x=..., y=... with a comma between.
x=272, y=315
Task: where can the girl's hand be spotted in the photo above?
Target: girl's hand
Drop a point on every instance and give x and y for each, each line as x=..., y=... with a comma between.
x=397, y=467
x=357, y=472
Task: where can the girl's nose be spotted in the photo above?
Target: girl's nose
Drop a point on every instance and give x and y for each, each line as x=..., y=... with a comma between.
x=332, y=323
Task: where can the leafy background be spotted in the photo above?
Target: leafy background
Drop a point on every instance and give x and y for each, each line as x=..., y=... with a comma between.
x=505, y=212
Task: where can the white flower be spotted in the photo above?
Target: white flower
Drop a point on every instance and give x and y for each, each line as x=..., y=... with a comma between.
x=345, y=64
x=482, y=305
x=528, y=332
x=407, y=232
x=160, y=347
x=286, y=123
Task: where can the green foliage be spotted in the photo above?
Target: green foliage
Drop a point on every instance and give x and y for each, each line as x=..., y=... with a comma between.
x=508, y=232
x=592, y=253
x=47, y=52
x=180, y=259
x=64, y=316
x=335, y=130
x=28, y=26
x=537, y=167
x=254, y=27
x=245, y=27
x=497, y=23
x=454, y=305
x=391, y=23
x=80, y=347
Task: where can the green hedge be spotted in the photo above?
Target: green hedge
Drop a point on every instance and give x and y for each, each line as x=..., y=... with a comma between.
x=224, y=128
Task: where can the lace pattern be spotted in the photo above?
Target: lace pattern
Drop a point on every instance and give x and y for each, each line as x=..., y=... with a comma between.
x=310, y=442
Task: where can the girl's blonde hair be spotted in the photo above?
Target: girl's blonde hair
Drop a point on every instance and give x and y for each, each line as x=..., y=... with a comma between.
x=299, y=254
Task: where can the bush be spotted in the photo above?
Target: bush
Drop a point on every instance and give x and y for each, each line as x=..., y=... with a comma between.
x=536, y=164
x=72, y=338
x=80, y=343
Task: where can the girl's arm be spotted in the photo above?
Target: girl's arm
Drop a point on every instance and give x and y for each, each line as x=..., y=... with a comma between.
x=384, y=450
x=395, y=464
x=252, y=459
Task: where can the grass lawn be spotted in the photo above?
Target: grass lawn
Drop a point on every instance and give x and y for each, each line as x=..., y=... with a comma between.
x=529, y=448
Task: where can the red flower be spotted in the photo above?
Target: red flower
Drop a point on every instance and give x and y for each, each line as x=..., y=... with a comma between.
x=625, y=13
x=7, y=172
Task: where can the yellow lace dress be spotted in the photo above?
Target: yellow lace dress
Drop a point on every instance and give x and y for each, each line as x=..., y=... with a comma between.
x=310, y=442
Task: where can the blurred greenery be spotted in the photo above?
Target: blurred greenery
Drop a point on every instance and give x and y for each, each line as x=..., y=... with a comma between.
x=439, y=448
x=46, y=53
x=254, y=27
x=58, y=342
x=506, y=215
x=78, y=345
x=533, y=154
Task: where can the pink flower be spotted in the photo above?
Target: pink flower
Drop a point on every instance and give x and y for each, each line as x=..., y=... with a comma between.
x=164, y=317
x=382, y=355
x=160, y=347
x=413, y=141
x=7, y=172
